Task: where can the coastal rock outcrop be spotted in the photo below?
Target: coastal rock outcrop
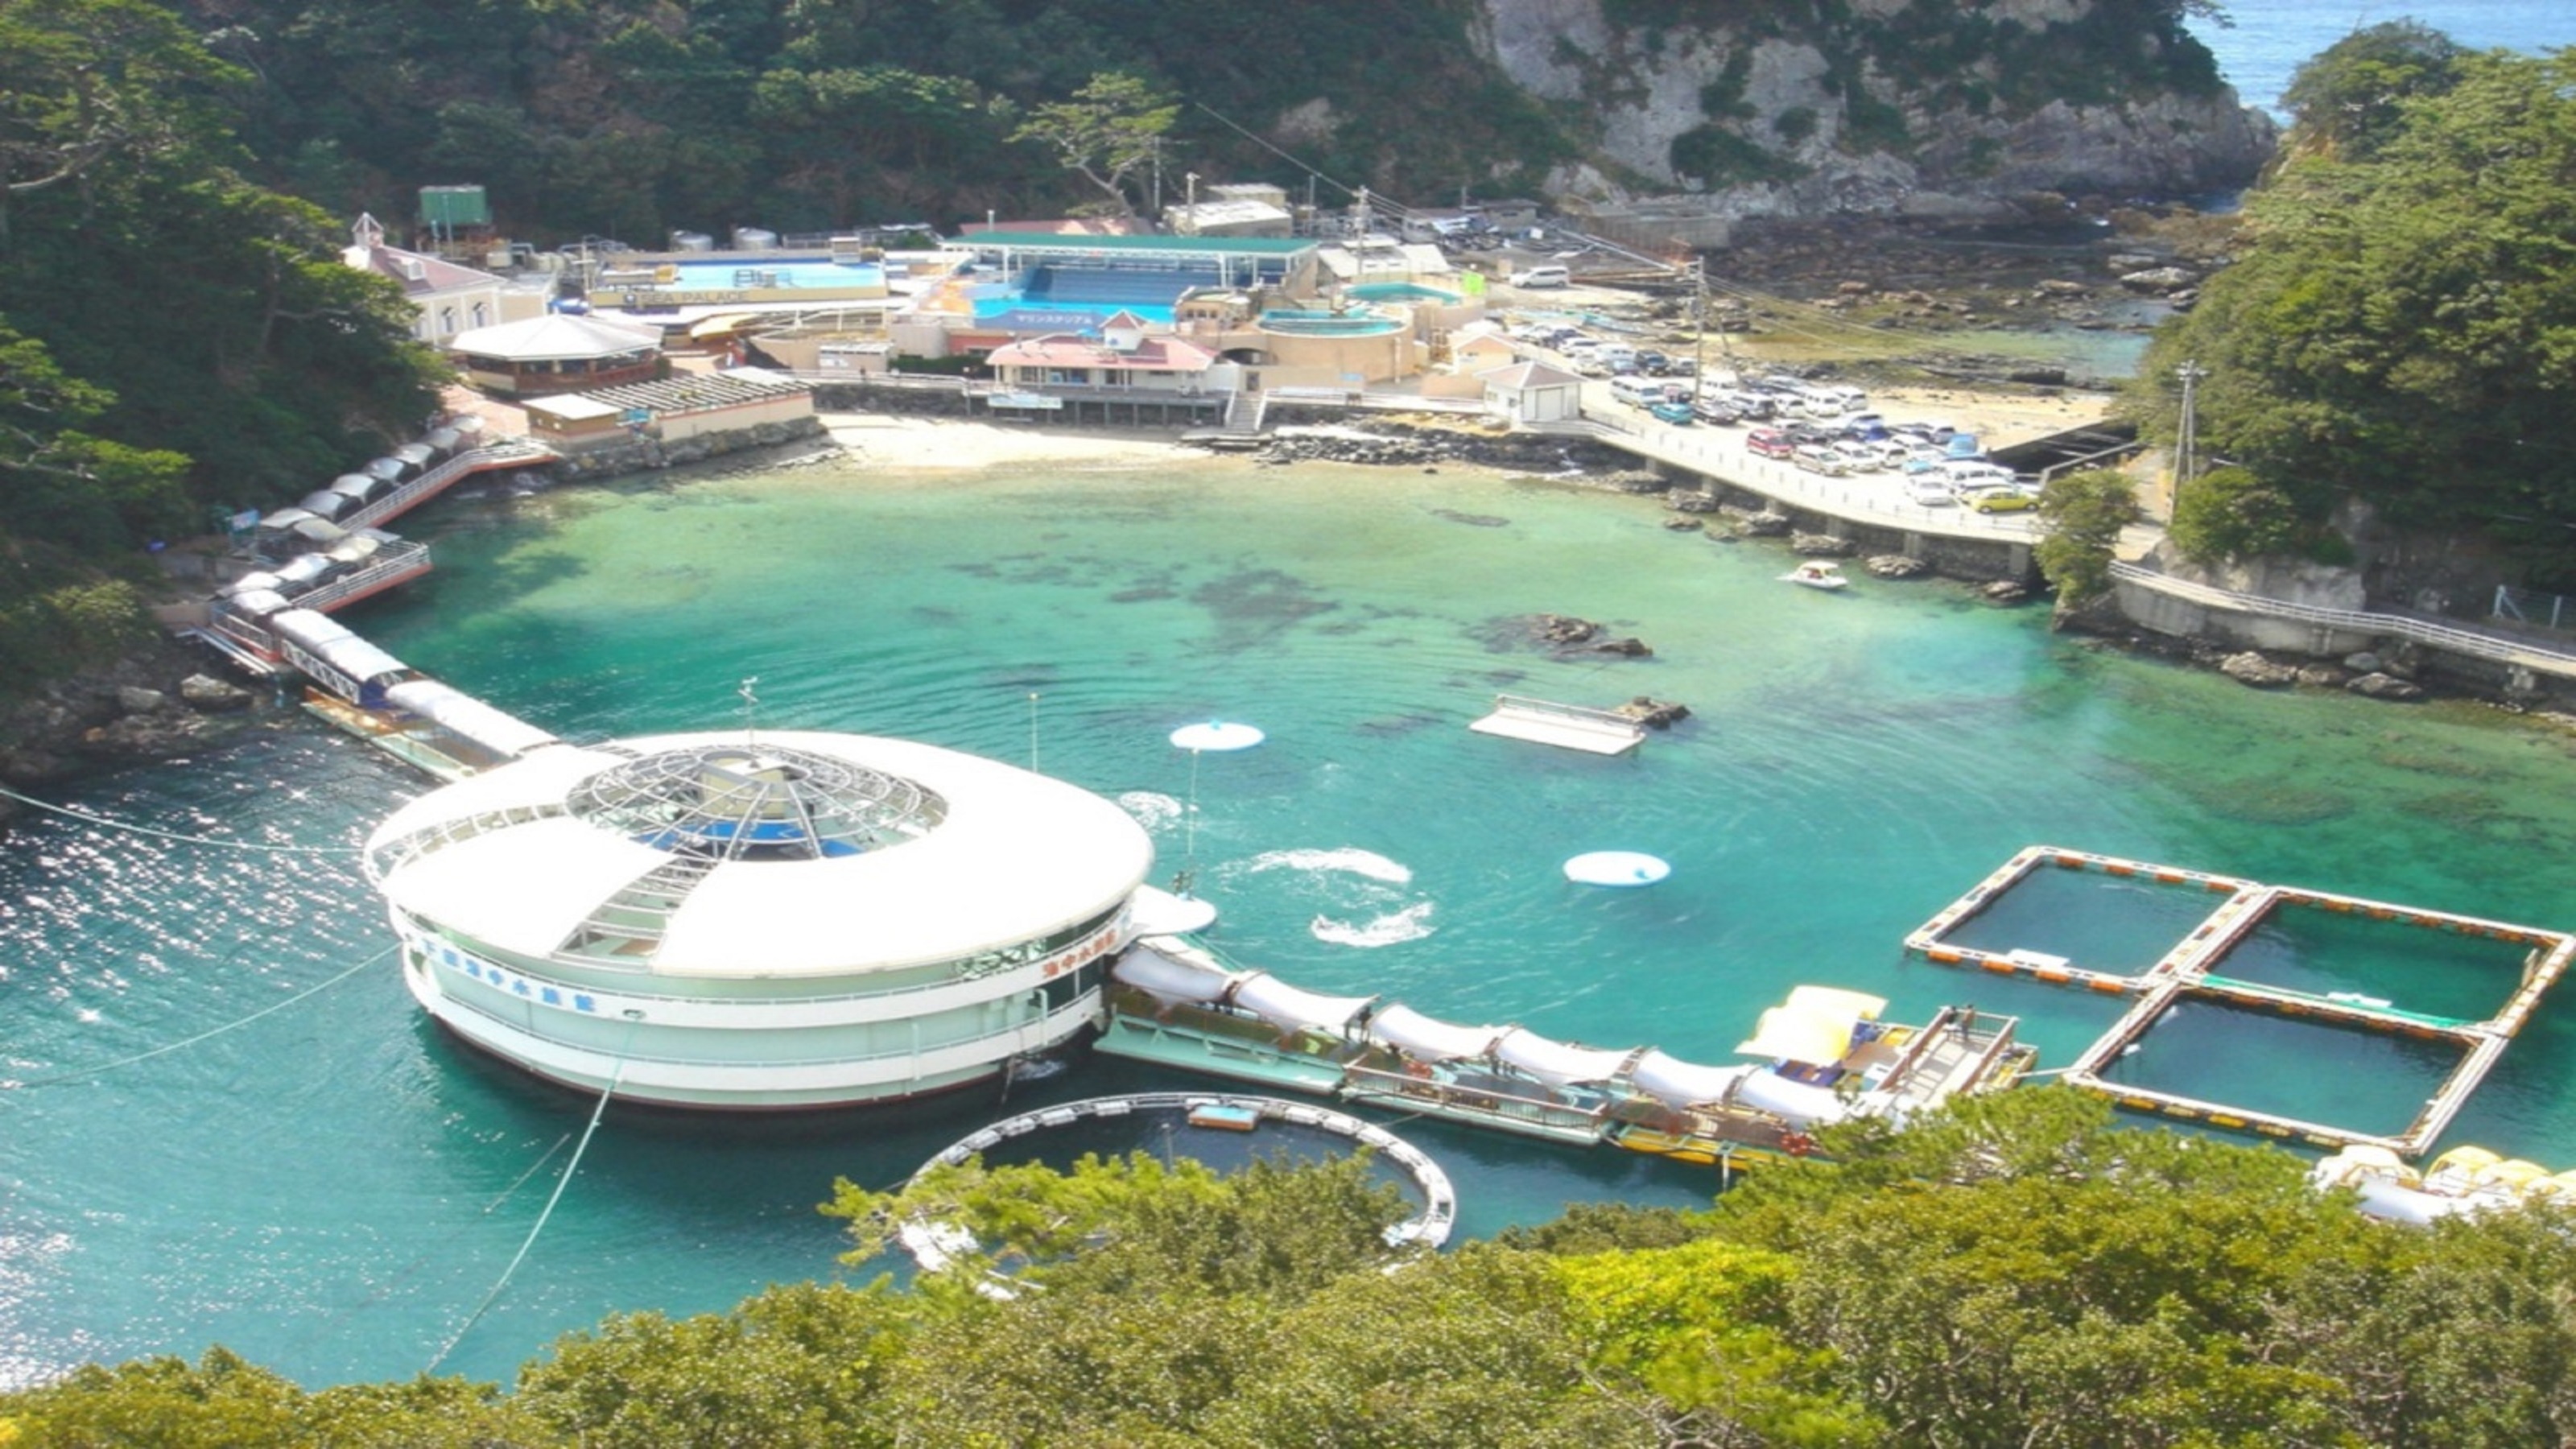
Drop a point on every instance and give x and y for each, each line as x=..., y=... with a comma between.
x=1896, y=566
x=2385, y=686
x=1821, y=545
x=1720, y=114
x=206, y=693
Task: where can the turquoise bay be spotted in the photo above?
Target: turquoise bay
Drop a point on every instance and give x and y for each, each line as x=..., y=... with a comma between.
x=331, y=1189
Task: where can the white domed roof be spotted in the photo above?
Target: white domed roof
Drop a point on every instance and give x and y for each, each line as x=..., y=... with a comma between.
x=797, y=853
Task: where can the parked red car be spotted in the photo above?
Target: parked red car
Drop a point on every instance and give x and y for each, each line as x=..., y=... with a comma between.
x=1770, y=442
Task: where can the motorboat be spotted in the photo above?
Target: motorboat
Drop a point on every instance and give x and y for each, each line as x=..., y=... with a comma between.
x=1816, y=574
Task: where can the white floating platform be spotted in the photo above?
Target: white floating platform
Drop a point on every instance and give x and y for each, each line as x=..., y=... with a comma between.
x=1218, y=735
x=1566, y=726
x=1616, y=868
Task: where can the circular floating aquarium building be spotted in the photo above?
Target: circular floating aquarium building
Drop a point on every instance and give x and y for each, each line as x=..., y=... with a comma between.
x=797, y=919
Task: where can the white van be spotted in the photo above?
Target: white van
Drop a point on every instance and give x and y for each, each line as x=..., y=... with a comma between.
x=1546, y=276
x=1638, y=392
x=1815, y=458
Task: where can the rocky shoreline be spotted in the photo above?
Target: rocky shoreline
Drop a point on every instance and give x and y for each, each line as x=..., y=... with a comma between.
x=160, y=702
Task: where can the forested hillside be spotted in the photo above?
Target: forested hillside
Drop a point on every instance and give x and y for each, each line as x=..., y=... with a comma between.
x=2401, y=328
x=631, y=118
x=173, y=337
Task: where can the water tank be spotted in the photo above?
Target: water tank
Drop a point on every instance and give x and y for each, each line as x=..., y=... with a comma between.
x=692, y=241
x=754, y=239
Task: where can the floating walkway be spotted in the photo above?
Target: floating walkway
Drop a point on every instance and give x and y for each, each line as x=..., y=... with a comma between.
x=2188, y=973
x=276, y=622
x=1826, y=1059
x=931, y=1247
x=1566, y=726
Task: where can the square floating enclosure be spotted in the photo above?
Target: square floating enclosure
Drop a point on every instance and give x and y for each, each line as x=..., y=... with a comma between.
x=2200, y=1057
x=2297, y=1000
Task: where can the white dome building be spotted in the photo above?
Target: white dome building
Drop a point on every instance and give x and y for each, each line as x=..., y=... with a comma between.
x=799, y=919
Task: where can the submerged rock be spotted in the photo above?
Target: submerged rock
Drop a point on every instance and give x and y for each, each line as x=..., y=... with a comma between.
x=2250, y=668
x=1653, y=713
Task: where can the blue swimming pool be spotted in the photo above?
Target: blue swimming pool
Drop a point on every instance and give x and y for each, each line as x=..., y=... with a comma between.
x=1295, y=322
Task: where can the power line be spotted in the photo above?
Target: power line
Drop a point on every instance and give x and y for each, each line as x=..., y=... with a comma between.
x=203, y=1035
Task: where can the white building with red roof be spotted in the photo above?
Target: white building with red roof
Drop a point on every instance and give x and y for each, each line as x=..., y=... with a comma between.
x=1123, y=355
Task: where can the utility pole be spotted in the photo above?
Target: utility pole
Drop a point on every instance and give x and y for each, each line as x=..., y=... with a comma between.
x=2187, y=437
x=1699, y=323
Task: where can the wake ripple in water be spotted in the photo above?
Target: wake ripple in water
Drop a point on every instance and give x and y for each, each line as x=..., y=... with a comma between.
x=1410, y=924
x=1349, y=858
x=1361, y=891
x=1153, y=811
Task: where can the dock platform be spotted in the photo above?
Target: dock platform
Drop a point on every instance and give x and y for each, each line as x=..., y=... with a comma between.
x=1566, y=726
x=2187, y=973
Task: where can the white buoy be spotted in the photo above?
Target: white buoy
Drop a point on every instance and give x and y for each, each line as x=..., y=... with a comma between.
x=1616, y=868
x=1217, y=735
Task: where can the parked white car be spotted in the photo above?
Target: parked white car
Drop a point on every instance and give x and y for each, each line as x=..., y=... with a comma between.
x=1929, y=492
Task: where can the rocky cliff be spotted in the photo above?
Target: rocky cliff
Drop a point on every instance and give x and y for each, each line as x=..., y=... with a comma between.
x=1937, y=107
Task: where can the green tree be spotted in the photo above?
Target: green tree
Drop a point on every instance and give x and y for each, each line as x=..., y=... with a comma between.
x=2084, y=513
x=2347, y=99
x=1105, y=134
x=2228, y=513
x=90, y=84
x=2403, y=329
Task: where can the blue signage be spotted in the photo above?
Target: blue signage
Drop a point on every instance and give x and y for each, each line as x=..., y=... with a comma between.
x=509, y=981
x=1038, y=319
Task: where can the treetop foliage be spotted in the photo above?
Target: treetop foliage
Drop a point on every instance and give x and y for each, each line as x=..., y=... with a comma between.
x=2402, y=328
x=2012, y=1270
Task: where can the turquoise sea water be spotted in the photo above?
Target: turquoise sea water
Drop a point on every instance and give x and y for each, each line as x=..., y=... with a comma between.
x=332, y=1188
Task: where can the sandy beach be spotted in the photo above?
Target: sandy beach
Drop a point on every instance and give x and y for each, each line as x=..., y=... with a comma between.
x=884, y=440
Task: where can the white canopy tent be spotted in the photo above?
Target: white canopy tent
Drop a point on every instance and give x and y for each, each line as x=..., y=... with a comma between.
x=1684, y=1084
x=1277, y=1002
x=1556, y=1062
x=1416, y=1035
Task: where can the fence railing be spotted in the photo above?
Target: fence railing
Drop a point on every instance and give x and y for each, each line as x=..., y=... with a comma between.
x=2532, y=607
x=2423, y=631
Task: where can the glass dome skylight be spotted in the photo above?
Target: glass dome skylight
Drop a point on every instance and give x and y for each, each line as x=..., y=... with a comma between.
x=752, y=801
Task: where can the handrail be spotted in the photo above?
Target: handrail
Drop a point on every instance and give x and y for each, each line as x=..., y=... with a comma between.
x=408, y=556
x=2484, y=646
x=474, y=460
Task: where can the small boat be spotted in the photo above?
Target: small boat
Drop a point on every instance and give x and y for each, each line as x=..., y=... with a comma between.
x=1816, y=574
